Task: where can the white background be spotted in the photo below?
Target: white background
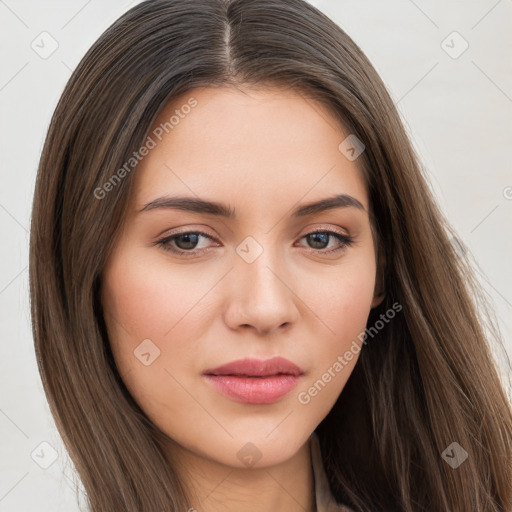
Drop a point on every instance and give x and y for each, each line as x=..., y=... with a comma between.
x=457, y=111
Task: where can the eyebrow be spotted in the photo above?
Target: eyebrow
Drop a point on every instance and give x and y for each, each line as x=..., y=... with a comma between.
x=197, y=205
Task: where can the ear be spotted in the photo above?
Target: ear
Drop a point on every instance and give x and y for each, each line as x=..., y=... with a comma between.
x=379, y=291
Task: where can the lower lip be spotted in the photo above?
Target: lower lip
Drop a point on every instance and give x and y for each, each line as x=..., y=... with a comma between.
x=254, y=390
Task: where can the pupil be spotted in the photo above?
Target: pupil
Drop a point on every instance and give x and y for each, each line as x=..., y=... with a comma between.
x=191, y=240
x=321, y=238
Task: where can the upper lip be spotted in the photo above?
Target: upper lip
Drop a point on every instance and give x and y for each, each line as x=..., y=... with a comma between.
x=257, y=368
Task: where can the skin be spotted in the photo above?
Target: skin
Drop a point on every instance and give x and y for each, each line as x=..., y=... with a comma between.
x=262, y=152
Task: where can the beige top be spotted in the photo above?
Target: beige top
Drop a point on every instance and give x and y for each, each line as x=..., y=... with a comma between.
x=324, y=500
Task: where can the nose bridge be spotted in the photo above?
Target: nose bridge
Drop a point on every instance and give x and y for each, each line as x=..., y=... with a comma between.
x=261, y=294
x=263, y=272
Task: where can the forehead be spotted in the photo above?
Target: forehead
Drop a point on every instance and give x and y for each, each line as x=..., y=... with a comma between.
x=245, y=145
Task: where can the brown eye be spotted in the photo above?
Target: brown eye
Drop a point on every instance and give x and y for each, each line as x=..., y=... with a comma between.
x=186, y=241
x=319, y=240
x=183, y=243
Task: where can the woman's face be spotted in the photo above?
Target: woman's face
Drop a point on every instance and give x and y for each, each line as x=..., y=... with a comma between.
x=189, y=288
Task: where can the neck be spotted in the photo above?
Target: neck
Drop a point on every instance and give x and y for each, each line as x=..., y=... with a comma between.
x=214, y=487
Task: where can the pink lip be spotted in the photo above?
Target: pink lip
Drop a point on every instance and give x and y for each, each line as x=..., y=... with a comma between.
x=255, y=381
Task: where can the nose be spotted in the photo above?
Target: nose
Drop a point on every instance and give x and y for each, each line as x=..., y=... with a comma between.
x=261, y=296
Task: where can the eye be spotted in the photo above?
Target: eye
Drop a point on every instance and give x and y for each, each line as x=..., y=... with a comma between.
x=319, y=239
x=183, y=243
x=188, y=243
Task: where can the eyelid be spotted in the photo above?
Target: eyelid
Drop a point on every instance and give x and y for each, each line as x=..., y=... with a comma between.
x=324, y=229
x=191, y=228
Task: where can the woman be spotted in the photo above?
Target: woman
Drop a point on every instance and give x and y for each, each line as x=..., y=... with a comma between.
x=243, y=293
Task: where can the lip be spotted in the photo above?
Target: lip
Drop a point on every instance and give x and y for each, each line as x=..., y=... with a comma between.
x=255, y=381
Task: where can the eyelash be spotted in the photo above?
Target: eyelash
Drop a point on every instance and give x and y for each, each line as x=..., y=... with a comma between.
x=345, y=241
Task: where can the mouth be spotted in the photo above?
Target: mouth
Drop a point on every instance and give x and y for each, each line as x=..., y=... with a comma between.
x=255, y=381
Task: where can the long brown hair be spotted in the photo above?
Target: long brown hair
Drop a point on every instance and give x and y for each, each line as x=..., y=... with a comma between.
x=425, y=381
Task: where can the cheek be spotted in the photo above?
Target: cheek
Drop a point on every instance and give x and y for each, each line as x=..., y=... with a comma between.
x=342, y=299
x=147, y=298
x=154, y=320
x=342, y=302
